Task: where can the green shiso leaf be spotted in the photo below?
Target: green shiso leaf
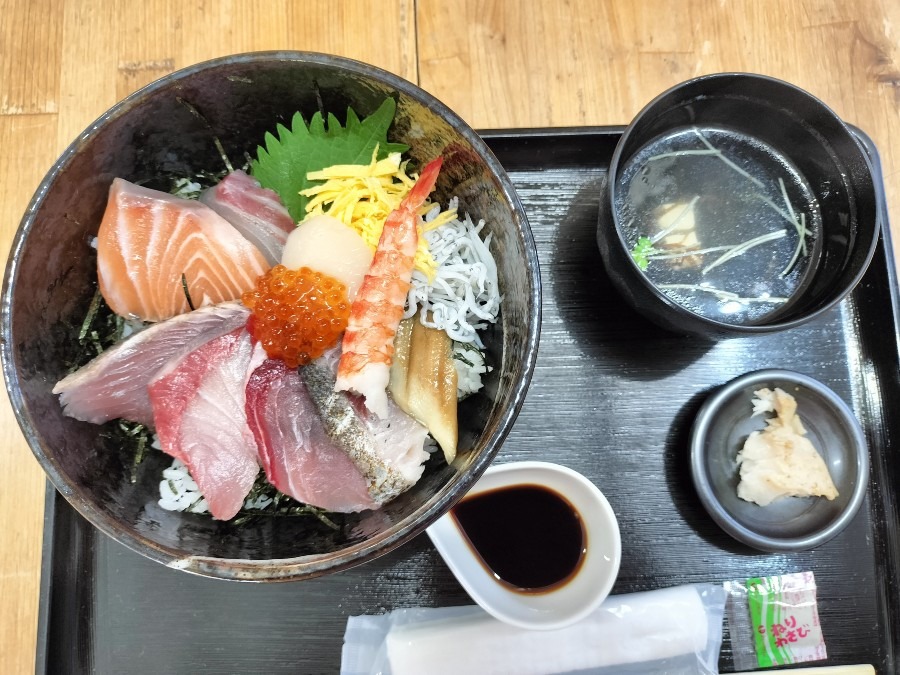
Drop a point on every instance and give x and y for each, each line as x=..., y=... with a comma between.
x=283, y=164
x=641, y=252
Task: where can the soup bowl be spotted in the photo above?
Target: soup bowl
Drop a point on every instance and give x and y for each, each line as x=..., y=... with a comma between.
x=818, y=155
x=172, y=128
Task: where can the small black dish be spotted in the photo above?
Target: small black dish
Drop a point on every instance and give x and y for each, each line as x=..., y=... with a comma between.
x=804, y=135
x=790, y=524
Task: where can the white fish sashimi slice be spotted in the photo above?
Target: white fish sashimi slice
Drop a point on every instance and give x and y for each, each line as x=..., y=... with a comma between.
x=114, y=385
x=388, y=451
x=200, y=415
x=399, y=438
x=254, y=211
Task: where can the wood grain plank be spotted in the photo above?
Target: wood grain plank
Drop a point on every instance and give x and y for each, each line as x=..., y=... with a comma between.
x=29, y=56
x=147, y=35
x=533, y=64
x=210, y=28
x=88, y=72
x=108, y=55
x=29, y=143
x=379, y=32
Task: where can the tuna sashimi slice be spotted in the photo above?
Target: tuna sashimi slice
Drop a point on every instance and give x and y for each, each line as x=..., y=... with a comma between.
x=299, y=457
x=114, y=385
x=388, y=451
x=149, y=240
x=199, y=411
x=255, y=211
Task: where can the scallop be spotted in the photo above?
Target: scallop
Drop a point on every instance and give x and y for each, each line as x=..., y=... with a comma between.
x=325, y=244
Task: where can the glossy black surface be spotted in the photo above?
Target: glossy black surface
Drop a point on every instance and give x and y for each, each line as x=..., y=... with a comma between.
x=810, y=137
x=529, y=537
x=613, y=397
x=169, y=129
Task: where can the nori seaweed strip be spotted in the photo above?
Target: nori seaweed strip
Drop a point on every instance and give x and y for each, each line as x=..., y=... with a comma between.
x=138, y=456
x=196, y=113
x=290, y=512
x=280, y=506
x=187, y=293
x=89, y=317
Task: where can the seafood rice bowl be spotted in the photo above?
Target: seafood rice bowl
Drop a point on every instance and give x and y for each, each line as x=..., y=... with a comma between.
x=270, y=316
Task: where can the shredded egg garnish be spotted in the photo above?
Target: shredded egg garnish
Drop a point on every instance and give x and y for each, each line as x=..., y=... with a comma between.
x=362, y=196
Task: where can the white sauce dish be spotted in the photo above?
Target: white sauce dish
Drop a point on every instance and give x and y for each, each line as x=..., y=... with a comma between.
x=542, y=607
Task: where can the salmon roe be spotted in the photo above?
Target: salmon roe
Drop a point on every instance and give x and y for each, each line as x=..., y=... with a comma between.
x=297, y=314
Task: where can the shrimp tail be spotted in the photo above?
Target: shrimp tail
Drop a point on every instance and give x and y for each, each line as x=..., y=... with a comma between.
x=424, y=185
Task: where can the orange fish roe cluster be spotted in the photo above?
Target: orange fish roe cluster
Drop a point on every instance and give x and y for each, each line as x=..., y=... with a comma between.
x=297, y=314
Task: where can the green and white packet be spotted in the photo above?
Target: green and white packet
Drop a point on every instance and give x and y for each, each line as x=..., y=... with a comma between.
x=774, y=621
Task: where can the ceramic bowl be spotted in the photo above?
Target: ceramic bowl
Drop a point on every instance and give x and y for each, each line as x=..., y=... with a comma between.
x=808, y=141
x=153, y=135
x=564, y=604
x=789, y=524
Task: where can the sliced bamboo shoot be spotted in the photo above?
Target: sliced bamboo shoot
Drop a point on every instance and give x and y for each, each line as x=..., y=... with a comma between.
x=423, y=381
x=432, y=386
x=399, y=383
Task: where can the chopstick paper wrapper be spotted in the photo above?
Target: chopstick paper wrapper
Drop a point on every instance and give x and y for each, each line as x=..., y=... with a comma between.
x=671, y=630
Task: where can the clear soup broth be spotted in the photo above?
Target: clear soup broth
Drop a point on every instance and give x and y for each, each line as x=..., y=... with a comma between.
x=720, y=223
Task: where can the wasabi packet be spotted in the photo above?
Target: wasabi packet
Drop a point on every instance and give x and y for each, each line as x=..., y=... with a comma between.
x=774, y=621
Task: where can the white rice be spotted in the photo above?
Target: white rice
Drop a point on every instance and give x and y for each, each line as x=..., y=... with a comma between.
x=469, y=362
x=430, y=446
x=187, y=189
x=179, y=492
x=260, y=502
x=464, y=296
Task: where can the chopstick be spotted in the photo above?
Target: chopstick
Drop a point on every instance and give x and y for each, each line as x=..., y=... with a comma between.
x=825, y=670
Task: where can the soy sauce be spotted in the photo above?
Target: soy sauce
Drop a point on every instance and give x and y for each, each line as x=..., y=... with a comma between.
x=530, y=538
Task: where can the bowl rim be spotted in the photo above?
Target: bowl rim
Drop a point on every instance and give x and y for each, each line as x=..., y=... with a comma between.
x=722, y=327
x=731, y=525
x=301, y=567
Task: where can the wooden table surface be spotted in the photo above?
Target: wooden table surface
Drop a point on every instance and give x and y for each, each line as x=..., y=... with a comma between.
x=498, y=64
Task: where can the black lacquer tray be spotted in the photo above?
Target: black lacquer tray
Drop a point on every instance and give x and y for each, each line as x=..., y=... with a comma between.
x=612, y=397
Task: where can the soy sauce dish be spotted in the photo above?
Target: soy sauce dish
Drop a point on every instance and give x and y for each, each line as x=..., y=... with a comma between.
x=737, y=204
x=535, y=544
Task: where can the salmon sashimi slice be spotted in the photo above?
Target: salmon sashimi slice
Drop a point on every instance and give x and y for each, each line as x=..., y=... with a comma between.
x=199, y=408
x=255, y=211
x=299, y=457
x=149, y=240
x=114, y=385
